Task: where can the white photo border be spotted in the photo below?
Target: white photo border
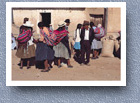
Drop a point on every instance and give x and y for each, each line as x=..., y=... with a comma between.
x=10, y=5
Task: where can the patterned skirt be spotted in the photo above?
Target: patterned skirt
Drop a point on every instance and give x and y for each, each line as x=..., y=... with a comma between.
x=25, y=53
x=44, y=52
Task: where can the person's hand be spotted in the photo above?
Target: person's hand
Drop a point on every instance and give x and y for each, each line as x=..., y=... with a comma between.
x=37, y=40
x=33, y=31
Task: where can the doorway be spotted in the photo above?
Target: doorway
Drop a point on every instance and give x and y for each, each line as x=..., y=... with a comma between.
x=46, y=18
x=97, y=19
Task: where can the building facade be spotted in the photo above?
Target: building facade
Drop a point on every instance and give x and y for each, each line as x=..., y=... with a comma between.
x=109, y=17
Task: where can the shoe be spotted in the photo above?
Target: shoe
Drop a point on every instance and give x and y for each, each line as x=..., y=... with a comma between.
x=59, y=66
x=94, y=58
x=97, y=57
x=87, y=64
x=50, y=67
x=70, y=66
x=45, y=70
x=21, y=67
x=28, y=67
x=82, y=64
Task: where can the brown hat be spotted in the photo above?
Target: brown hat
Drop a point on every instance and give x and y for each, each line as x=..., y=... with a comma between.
x=25, y=19
x=61, y=24
x=86, y=23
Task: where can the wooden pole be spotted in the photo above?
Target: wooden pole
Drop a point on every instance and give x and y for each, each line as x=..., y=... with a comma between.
x=105, y=19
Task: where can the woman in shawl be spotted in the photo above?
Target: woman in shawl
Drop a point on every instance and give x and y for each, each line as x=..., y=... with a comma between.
x=62, y=50
x=96, y=43
x=26, y=50
x=44, y=52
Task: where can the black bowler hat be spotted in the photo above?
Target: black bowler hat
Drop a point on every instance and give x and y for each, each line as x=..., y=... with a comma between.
x=67, y=21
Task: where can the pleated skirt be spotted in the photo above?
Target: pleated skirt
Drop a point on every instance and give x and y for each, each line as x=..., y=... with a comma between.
x=44, y=52
x=26, y=53
x=61, y=51
x=96, y=44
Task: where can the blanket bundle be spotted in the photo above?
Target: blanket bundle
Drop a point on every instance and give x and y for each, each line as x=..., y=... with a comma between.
x=54, y=38
x=99, y=32
x=24, y=37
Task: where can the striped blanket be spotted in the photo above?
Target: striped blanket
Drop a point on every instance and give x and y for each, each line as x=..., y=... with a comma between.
x=24, y=37
x=54, y=38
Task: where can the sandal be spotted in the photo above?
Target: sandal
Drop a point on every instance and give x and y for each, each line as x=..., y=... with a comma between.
x=59, y=66
x=70, y=66
x=45, y=70
x=28, y=67
x=50, y=67
x=97, y=57
x=94, y=58
x=87, y=64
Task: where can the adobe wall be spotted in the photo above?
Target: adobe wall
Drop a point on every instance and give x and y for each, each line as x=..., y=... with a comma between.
x=76, y=16
x=114, y=20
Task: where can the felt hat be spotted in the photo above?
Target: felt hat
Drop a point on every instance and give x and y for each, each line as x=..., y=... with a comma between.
x=28, y=24
x=61, y=24
x=86, y=22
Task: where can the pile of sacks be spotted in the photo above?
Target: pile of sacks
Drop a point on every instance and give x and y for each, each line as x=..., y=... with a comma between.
x=109, y=43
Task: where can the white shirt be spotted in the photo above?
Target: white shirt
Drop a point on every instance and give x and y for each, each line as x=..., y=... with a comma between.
x=77, y=35
x=86, y=34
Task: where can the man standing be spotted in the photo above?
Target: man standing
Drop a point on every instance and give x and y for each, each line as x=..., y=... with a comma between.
x=87, y=35
x=67, y=21
x=66, y=40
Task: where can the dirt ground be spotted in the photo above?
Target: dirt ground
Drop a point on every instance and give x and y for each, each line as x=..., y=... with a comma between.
x=100, y=69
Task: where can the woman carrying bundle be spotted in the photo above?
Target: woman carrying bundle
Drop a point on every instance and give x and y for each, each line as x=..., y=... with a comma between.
x=96, y=43
x=26, y=48
x=44, y=51
x=62, y=50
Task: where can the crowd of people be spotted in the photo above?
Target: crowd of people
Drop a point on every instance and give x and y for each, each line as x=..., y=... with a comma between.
x=54, y=44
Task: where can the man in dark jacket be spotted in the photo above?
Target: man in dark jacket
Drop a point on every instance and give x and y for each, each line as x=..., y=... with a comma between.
x=87, y=35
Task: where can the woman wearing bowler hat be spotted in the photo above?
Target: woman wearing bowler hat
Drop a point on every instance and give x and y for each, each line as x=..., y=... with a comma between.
x=62, y=49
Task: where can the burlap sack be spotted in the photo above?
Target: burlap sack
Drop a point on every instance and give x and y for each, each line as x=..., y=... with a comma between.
x=114, y=36
x=105, y=37
x=117, y=46
x=108, y=47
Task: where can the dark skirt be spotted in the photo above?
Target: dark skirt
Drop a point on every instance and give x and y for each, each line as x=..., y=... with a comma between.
x=44, y=52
